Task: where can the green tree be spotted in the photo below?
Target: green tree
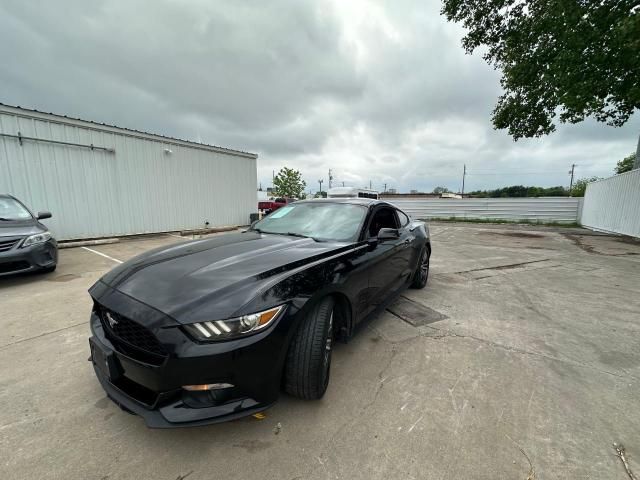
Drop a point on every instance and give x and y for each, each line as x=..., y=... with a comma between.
x=521, y=191
x=580, y=186
x=288, y=183
x=625, y=164
x=555, y=192
x=440, y=190
x=575, y=59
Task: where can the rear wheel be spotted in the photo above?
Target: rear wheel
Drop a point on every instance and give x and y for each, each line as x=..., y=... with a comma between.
x=421, y=276
x=308, y=361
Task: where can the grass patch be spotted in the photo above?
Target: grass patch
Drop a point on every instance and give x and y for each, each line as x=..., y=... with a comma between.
x=500, y=221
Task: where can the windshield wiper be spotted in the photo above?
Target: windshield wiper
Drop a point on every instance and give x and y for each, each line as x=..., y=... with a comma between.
x=293, y=234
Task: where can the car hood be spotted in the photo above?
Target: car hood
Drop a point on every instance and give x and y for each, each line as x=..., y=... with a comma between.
x=19, y=228
x=215, y=277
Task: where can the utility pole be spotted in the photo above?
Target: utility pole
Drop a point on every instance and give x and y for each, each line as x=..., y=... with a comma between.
x=330, y=178
x=464, y=174
x=385, y=188
x=320, y=183
x=343, y=184
x=573, y=167
x=369, y=184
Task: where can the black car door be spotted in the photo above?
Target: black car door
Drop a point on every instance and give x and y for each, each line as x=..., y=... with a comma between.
x=410, y=250
x=387, y=261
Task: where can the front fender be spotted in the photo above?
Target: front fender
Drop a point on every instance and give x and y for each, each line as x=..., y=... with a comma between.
x=303, y=287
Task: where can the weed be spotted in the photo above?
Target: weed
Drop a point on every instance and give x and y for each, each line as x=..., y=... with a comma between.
x=523, y=221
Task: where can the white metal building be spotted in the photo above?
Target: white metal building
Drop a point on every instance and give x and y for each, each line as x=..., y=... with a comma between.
x=100, y=180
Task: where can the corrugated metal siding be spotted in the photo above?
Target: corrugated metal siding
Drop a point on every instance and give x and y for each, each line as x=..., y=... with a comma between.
x=549, y=209
x=613, y=204
x=137, y=189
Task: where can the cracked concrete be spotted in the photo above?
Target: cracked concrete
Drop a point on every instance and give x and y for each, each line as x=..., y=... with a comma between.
x=531, y=352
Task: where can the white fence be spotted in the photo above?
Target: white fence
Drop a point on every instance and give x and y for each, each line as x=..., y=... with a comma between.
x=547, y=209
x=613, y=204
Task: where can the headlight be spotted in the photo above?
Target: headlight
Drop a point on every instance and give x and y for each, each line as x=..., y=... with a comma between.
x=225, y=329
x=35, y=239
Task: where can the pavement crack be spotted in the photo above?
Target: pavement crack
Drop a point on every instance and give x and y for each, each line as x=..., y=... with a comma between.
x=532, y=472
x=504, y=267
x=448, y=333
x=451, y=334
x=22, y=340
x=356, y=418
x=182, y=477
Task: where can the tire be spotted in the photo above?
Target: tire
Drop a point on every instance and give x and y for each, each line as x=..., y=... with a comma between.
x=421, y=277
x=308, y=363
x=48, y=269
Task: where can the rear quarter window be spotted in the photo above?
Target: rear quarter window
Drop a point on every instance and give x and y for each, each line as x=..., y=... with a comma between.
x=404, y=219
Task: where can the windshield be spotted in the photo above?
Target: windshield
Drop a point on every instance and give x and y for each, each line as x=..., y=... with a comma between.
x=321, y=221
x=12, y=210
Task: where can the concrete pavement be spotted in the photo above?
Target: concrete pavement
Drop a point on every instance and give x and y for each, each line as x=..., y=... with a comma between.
x=520, y=358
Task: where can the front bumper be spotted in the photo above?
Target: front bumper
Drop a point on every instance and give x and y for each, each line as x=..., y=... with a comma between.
x=253, y=365
x=35, y=257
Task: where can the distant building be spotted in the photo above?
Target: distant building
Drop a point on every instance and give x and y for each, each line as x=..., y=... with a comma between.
x=392, y=191
x=413, y=191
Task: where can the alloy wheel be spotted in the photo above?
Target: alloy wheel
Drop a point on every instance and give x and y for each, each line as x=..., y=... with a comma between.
x=424, y=267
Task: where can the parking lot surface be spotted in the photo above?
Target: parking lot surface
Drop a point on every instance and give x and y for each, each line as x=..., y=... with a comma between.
x=521, y=359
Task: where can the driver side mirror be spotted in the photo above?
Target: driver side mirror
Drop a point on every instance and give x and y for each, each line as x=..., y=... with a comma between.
x=388, y=234
x=44, y=215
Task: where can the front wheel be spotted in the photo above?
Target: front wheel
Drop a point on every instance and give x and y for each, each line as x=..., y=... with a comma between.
x=306, y=373
x=421, y=276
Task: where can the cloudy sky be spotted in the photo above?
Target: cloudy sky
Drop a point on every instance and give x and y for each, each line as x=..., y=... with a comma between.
x=376, y=91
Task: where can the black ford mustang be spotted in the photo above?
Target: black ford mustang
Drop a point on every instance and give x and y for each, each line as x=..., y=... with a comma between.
x=209, y=330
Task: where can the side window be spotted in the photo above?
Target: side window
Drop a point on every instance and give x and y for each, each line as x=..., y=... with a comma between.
x=382, y=218
x=404, y=220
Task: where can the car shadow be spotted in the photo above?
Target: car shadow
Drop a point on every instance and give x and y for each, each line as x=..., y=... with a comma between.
x=23, y=278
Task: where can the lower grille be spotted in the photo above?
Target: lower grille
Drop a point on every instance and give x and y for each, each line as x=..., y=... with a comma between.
x=131, y=338
x=6, y=245
x=139, y=392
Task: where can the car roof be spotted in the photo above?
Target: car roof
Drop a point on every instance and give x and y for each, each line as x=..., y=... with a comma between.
x=367, y=202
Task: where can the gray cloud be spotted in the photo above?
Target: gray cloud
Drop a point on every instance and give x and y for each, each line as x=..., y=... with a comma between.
x=376, y=91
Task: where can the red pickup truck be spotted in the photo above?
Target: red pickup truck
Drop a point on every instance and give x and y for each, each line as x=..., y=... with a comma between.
x=269, y=206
